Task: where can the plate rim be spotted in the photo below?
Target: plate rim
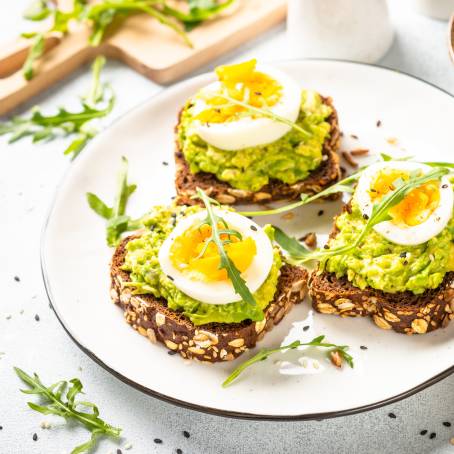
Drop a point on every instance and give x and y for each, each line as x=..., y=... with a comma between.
x=202, y=408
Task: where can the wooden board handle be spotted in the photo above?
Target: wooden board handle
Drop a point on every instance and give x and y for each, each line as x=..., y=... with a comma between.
x=65, y=56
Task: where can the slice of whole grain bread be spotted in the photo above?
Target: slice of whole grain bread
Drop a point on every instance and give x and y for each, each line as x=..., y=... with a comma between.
x=212, y=342
x=325, y=175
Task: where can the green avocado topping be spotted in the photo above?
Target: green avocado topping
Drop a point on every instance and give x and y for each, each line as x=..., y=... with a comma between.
x=386, y=266
x=147, y=277
x=289, y=159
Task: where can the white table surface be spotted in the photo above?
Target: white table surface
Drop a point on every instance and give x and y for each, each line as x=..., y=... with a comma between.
x=28, y=178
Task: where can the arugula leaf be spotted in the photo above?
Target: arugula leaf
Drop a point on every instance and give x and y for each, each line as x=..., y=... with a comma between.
x=341, y=186
x=266, y=352
x=36, y=50
x=117, y=221
x=53, y=403
x=380, y=213
x=47, y=127
x=234, y=274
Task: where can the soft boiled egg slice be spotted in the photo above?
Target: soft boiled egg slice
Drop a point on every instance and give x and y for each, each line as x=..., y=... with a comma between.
x=196, y=272
x=421, y=215
x=231, y=127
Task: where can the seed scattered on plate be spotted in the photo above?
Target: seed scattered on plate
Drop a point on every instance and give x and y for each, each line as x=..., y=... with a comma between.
x=165, y=163
x=423, y=432
x=119, y=451
x=17, y=278
x=363, y=347
x=354, y=136
x=179, y=451
x=158, y=441
x=392, y=415
x=432, y=435
x=186, y=434
x=320, y=213
x=8, y=316
x=37, y=317
x=305, y=328
x=378, y=123
x=447, y=424
x=35, y=437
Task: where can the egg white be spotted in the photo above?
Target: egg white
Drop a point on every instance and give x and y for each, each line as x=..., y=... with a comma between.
x=220, y=292
x=408, y=235
x=250, y=132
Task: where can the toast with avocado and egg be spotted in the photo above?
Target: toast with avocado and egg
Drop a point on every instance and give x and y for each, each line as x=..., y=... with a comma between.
x=255, y=136
x=169, y=281
x=402, y=272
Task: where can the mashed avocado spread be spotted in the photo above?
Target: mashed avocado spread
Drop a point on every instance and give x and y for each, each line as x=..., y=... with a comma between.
x=386, y=266
x=146, y=275
x=289, y=159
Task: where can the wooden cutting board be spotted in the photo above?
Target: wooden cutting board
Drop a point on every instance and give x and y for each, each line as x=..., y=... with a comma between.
x=141, y=42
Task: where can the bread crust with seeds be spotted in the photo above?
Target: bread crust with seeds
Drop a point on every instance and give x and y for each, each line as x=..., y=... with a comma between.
x=325, y=175
x=212, y=342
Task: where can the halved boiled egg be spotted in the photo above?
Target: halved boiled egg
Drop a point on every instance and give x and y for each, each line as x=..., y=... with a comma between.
x=421, y=215
x=192, y=262
x=228, y=126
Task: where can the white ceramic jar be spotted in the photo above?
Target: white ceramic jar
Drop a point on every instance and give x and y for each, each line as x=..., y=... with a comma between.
x=438, y=9
x=358, y=30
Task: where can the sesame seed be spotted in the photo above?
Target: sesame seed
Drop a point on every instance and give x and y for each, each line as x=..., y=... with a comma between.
x=444, y=186
x=37, y=317
x=179, y=451
x=171, y=352
x=165, y=163
x=363, y=347
x=378, y=123
x=403, y=255
x=320, y=213
x=447, y=424
x=17, y=278
x=423, y=432
x=432, y=435
x=119, y=451
x=170, y=277
x=354, y=136
x=254, y=228
x=1, y=427
x=305, y=328
x=325, y=246
x=365, y=216
x=35, y=437
x=392, y=415
x=158, y=441
x=186, y=434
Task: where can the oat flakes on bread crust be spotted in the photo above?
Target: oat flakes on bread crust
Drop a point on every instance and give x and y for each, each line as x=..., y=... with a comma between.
x=325, y=175
x=212, y=342
x=403, y=312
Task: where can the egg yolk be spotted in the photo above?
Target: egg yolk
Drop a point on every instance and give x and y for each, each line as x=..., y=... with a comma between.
x=418, y=204
x=244, y=83
x=186, y=254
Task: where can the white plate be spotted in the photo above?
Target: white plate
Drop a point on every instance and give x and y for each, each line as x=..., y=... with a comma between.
x=75, y=259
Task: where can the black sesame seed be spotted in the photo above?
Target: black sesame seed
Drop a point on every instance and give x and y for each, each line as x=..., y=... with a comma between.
x=403, y=255
x=405, y=262
x=17, y=278
x=363, y=347
x=119, y=451
x=165, y=163
x=158, y=441
x=423, y=432
x=179, y=451
x=354, y=136
x=378, y=123
x=186, y=434
x=365, y=216
x=171, y=352
x=1, y=427
x=254, y=228
x=305, y=328
x=35, y=437
x=392, y=415
x=173, y=197
x=170, y=277
x=325, y=246
x=447, y=424
x=432, y=435
x=37, y=317
x=444, y=186
x=320, y=213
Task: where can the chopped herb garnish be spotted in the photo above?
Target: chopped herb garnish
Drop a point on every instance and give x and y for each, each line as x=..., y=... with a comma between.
x=265, y=353
x=60, y=399
x=214, y=221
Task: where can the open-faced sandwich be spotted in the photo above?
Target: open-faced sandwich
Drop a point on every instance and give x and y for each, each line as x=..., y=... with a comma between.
x=206, y=282
x=401, y=269
x=255, y=136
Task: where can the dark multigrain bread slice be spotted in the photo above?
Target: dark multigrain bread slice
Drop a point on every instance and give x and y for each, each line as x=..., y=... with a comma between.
x=213, y=342
x=403, y=312
x=325, y=175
